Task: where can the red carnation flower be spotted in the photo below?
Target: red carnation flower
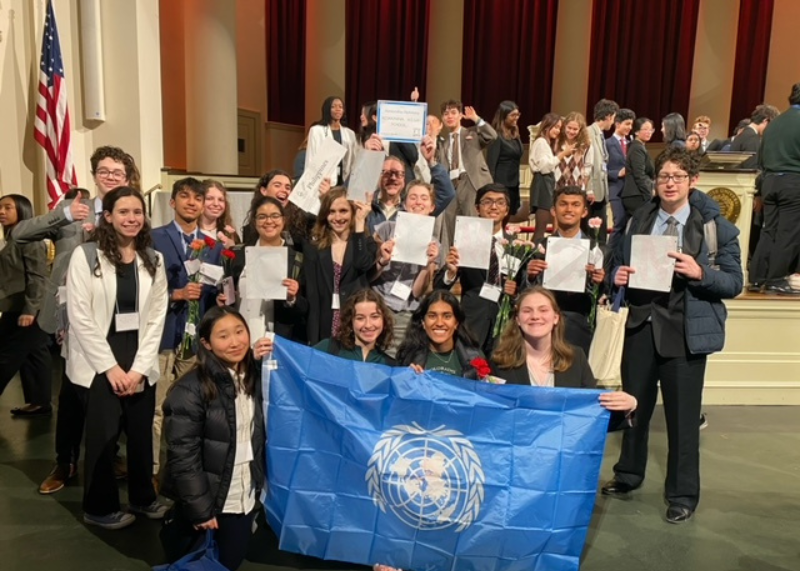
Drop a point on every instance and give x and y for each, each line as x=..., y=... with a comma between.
x=228, y=254
x=481, y=367
x=210, y=242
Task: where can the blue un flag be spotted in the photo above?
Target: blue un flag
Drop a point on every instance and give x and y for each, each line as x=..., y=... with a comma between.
x=370, y=464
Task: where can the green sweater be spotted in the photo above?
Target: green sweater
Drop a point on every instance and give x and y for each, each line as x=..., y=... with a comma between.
x=375, y=356
x=780, y=147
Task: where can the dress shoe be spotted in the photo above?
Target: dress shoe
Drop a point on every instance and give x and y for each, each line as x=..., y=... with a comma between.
x=678, y=514
x=617, y=488
x=782, y=288
x=755, y=287
x=57, y=478
x=31, y=410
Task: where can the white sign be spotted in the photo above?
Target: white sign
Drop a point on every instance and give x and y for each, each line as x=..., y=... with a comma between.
x=412, y=236
x=473, y=239
x=266, y=269
x=305, y=193
x=366, y=174
x=566, y=264
x=653, y=267
x=402, y=121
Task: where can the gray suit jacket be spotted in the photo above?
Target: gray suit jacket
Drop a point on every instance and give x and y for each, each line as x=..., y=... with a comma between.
x=473, y=141
x=66, y=236
x=598, y=183
x=24, y=277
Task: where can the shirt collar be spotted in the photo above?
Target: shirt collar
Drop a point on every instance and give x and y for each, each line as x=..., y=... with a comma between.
x=98, y=205
x=682, y=215
x=180, y=230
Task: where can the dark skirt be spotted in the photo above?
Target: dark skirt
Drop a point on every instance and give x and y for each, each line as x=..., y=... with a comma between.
x=542, y=191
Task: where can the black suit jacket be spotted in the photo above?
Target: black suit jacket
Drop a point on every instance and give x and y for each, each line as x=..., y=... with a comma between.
x=616, y=162
x=748, y=141
x=359, y=257
x=578, y=376
x=639, y=178
x=290, y=320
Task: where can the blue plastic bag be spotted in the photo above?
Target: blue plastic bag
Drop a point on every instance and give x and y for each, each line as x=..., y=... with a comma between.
x=204, y=559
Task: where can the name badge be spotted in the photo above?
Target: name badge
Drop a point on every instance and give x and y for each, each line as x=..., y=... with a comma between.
x=62, y=295
x=335, y=301
x=401, y=290
x=244, y=452
x=509, y=265
x=491, y=292
x=126, y=322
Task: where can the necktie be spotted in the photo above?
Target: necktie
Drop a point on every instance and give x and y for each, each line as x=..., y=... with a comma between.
x=187, y=239
x=672, y=227
x=456, y=151
x=624, y=144
x=494, y=264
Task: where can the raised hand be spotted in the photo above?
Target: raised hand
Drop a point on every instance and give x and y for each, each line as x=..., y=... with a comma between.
x=415, y=94
x=451, y=262
x=469, y=113
x=78, y=210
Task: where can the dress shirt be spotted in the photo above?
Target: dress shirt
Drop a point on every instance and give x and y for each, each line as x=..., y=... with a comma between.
x=195, y=235
x=241, y=498
x=660, y=226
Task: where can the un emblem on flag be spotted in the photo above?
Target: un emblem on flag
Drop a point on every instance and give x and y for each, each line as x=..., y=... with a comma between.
x=430, y=479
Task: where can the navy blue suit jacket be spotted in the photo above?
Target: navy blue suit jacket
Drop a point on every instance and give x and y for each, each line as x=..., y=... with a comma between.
x=168, y=240
x=616, y=162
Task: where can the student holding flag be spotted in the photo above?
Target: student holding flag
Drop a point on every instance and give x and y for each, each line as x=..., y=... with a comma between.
x=533, y=350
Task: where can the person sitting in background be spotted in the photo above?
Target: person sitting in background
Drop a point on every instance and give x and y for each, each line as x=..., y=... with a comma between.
x=532, y=350
x=693, y=143
x=438, y=338
x=725, y=145
x=25, y=346
x=216, y=221
x=504, y=153
x=336, y=262
x=214, y=426
x=117, y=305
x=366, y=331
x=569, y=211
x=286, y=318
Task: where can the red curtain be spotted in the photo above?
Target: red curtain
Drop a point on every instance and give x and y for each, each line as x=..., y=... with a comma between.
x=386, y=52
x=286, y=61
x=642, y=55
x=752, y=53
x=508, y=52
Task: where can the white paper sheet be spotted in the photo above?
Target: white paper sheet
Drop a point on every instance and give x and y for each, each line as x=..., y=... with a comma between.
x=366, y=174
x=412, y=235
x=649, y=258
x=266, y=269
x=305, y=193
x=211, y=274
x=402, y=121
x=473, y=238
x=566, y=264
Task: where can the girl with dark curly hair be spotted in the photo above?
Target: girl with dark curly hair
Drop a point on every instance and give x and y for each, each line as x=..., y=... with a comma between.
x=366, y=330
x=117, y=305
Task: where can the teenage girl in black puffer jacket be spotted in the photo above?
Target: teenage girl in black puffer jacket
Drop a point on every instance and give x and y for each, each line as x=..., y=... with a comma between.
x=215, y=434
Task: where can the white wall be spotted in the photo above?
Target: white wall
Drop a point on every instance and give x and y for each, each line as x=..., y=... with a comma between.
x=132, y=88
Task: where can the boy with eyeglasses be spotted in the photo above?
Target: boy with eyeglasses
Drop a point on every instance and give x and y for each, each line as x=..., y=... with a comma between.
x=68, y=226
x=493, y=202
x=669, y=335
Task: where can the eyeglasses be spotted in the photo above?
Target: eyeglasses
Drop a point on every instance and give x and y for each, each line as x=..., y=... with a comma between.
x=105, y=173
x=677, y=178
x=275, y=216
x=487, y=202
x=395, y=174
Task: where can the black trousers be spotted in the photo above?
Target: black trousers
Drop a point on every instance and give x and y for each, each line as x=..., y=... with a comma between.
x=25, y=350
x=598, y=208
x=107, y=414
x=69, y=423
x=232, y=537
x=682, y=391
x=779, y=244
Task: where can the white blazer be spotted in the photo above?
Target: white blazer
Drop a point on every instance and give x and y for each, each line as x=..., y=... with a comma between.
x=91, y=304
x=319, y=133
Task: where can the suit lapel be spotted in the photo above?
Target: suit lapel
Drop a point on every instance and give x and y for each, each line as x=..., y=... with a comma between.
x=177, y=241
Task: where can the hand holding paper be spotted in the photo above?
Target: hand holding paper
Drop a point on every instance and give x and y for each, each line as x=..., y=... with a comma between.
x=412, y=237
x=473, y=238
x=566, y=264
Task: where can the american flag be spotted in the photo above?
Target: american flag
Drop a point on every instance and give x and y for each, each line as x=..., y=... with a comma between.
x=51, y=128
